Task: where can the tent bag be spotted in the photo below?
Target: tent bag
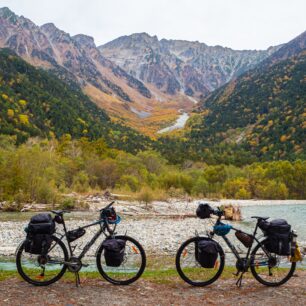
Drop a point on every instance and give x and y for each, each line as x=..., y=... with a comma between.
x=114, y=251
x=207, y=253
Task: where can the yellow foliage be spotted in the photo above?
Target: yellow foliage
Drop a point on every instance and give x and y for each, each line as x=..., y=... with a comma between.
x=24, y=119
x=10, y=113
x=4, y=96
x=81, y=121
x=264, y=149
x=283, y=138
x=22, y=102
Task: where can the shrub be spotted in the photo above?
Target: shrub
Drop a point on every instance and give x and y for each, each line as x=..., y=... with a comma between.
x=146, y=196
x=130, y=182
x=68, y=203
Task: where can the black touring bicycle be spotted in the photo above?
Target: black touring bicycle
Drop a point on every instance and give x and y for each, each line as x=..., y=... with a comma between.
x=200, y=260
x=43, y=258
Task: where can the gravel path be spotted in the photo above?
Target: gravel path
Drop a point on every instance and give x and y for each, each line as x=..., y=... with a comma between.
x=223, y=292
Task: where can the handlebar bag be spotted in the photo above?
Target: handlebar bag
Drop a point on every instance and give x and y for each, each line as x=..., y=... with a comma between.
x=207, y=253
x=203, y=211
x=114, y=251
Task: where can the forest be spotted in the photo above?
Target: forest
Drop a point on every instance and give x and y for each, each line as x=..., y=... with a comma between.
x=42, y=171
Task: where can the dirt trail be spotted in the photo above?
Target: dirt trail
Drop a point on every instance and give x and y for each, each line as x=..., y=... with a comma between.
x=96, y=292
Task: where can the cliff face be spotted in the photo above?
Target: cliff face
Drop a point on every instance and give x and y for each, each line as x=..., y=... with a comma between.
x=72, y=58
x=180, y=66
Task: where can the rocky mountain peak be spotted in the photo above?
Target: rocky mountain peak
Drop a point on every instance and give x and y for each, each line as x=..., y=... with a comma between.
x=84, y=40
x=54, y=33
x=6, y=13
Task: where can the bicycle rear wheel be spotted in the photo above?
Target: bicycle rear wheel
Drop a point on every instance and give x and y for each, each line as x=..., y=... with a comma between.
x=270, y=269
x=42, y=270
x=132, y=267
x=189, y=268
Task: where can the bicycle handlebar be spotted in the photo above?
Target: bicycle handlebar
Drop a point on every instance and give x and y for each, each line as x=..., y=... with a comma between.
x=108, y=206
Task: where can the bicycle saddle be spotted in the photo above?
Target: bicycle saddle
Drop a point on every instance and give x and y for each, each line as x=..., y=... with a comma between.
x=260, y=218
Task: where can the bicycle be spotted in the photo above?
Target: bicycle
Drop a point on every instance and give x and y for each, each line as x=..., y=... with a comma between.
x=267, y=268
x=45, y=269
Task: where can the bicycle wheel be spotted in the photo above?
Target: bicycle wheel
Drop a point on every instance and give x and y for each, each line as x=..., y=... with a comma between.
x=270, y=269
x=42, y=270
x=189, y=268
x=132, y=267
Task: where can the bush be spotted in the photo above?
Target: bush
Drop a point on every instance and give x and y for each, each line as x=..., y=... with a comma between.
x=242, y=194
x=146, y=196
x=201, y=187
x=68, y=204
x=129, y=182
x=80, y=182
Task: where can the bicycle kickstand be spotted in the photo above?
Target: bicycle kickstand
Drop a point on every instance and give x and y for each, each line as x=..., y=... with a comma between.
x=77, y=279
x=239, y=281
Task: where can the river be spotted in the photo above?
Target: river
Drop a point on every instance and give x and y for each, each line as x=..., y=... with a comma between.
x=179, y=124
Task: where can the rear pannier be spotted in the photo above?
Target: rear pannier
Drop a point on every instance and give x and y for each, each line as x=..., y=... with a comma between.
x=39, y=232
x=41, y=224
x=278, y=232
x=114, y=251
x=206, y=253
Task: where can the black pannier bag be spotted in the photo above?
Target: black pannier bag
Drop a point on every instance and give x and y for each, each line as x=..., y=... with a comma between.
x=39, y=232
x=203, y=211
x=206, y=253
x=114, y=251
x=75, y=234
x=38, y=244
x=41, y=224
x=278, y=232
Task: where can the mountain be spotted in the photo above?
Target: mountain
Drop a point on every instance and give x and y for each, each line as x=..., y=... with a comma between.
x=76, y=59
x=180, y=66
x=35, y=102
x=262, y=110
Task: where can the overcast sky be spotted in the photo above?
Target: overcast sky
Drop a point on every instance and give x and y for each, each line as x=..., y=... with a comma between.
x=239, y=24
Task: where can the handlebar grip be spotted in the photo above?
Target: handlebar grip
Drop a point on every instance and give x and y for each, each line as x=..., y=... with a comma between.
x=108, y=206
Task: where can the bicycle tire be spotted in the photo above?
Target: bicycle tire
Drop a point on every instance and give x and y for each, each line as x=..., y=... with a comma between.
x=259, y=278
x=24, y=275
x=104, y=273
x=184, y=276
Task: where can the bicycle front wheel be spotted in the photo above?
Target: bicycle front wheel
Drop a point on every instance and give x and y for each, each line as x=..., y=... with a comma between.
x=190, y=269
x=132, y=267
x=270, y=269
x=42, y=270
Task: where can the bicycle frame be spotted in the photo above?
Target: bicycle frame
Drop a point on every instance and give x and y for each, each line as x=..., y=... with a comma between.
x=233, y=248
x=102, y=230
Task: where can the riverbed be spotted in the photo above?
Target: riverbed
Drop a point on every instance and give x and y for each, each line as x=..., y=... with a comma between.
x=179, y=124
x=159, y=234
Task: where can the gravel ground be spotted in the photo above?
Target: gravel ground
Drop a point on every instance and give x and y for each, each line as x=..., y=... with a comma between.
x=223, y=292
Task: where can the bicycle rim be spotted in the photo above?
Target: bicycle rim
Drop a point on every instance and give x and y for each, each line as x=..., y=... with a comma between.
x=42, y=270
x=132, y=267
x=190, y=269
x=271, y=269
